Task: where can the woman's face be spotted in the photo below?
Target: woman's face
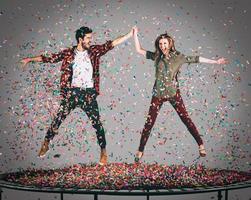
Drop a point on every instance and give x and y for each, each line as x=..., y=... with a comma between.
x=164, y=45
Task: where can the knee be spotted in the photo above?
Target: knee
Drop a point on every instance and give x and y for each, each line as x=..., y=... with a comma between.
x=97, y=125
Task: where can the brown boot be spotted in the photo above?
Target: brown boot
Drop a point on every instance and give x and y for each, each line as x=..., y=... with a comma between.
x=138, y=156
x=44, y=148
x=103, y=157
x=202, y=151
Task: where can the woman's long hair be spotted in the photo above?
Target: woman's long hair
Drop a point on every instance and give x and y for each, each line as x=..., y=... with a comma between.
x=158, y=52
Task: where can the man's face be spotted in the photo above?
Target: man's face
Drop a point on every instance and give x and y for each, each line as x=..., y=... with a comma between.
x=86, y=42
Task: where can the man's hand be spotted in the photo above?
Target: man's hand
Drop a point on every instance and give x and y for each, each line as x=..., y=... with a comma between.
x=135, y=31
x=24, y=62
x=123, y=38
x=131, y=32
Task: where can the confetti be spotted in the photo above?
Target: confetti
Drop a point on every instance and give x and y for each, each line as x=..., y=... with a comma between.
x=124, y=176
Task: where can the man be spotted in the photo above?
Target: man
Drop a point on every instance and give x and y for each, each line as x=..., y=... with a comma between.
x=79, y=84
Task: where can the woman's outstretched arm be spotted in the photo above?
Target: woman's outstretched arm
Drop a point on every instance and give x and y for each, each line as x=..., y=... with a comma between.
x=220, y=61
x=138, y=47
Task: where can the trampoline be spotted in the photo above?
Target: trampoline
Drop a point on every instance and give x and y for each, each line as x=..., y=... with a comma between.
x=175, y=183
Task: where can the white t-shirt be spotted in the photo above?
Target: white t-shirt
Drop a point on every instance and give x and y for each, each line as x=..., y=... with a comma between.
x=82, y=70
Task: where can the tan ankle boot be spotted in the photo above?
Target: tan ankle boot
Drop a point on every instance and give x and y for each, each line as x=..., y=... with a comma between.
x=138, y=156
x=202, y=151
x=103, y=157
x=44, y=148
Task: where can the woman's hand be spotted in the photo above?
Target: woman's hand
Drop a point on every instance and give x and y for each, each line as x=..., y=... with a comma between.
x=222, y=61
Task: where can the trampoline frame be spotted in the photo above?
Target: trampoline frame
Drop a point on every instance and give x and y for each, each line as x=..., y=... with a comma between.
x=147, y=193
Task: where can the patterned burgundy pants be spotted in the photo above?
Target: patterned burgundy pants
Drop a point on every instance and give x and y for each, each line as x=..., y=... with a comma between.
x=154, y=109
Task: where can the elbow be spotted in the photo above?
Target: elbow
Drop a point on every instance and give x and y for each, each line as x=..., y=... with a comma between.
x=138, y=49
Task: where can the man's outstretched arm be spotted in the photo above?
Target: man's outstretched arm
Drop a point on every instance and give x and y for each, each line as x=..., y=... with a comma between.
x=50, y=58
x=101, y=50
x=121, y=39
x=25, y=61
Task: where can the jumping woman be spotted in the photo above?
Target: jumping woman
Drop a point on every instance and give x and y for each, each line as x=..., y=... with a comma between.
x=167, y=62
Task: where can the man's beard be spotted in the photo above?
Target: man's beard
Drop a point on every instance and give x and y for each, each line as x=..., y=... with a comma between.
x=84, y=46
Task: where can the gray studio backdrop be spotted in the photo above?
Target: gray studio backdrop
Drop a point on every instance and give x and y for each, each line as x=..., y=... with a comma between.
x=217, y=97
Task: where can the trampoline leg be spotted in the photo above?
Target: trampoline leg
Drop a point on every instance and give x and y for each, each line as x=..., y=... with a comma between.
x=147, y=196
x=1, y=191
x=226, y=194
x=219, y=195
x=61, y=196
x=95, y=197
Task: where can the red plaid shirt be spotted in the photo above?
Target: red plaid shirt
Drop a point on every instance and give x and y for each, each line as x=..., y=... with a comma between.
x=67, y=56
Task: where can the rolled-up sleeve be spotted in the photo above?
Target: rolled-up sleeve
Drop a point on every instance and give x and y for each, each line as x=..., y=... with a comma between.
x=102, y=49
x=150, y=55
x=54, y=57
x=191, y=59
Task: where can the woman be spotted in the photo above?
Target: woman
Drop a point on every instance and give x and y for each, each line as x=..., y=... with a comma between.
x=167, y=63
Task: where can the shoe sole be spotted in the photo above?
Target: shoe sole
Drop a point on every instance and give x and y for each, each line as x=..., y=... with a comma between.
x=44, y=154
x=137, y=159
x=102, y=164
